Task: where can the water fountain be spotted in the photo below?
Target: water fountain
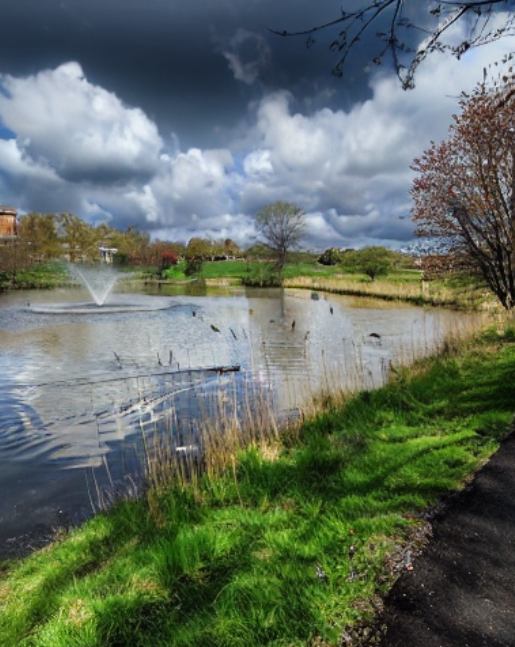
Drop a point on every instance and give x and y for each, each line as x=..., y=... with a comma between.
x=100, y=281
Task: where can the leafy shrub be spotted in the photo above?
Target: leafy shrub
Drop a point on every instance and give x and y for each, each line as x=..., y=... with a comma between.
x=331, y=256
x=372, y=261
x=193, y=267
x=175, y=272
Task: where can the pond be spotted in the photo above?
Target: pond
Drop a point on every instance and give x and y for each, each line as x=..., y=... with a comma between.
x=79, y=390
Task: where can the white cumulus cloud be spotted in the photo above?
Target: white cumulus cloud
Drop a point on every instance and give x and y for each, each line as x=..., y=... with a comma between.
x=79, y=148
x=81, y=130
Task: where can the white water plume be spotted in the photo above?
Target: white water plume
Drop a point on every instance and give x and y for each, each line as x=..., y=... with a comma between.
x=99, y=281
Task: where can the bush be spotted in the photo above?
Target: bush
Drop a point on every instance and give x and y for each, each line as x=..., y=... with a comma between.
x=193, y=267
x=175, y=272
x=262, y=274
x=372, y=261
x=331, y=256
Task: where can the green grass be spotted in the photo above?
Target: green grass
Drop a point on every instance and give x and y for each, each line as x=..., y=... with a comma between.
x=224, y=269
x=313, y=269
x=399, y=284
x=302, y=271
x=288, y=546
x=316, y=273
x=40, y=276
x=241, y=269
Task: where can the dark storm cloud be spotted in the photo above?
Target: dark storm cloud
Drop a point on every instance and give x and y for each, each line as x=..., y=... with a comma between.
x=186, y=117
x=171, y=58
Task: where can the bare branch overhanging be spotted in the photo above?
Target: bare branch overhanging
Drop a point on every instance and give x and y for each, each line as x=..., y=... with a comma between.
x=439, y=17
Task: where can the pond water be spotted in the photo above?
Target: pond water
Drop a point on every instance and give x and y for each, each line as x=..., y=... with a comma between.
x=79, y=390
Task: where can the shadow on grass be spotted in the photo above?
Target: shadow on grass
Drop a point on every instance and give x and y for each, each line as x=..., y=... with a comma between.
x=269, y=559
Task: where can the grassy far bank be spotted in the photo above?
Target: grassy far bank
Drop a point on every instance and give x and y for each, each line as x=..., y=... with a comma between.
x=302, y=268
x=40, y=276
x=48, y=275
x=293, y=543
x=404, y=288
x=242, y=269
x=399, y=284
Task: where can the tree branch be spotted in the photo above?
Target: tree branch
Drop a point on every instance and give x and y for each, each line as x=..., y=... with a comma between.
x=357, y=22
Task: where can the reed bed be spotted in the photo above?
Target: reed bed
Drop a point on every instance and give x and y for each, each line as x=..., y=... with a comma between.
x=271, y=535
x=434, y=293
x=231, y=418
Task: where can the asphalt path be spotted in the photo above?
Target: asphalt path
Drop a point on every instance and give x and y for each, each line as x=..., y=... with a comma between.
x=461, y=591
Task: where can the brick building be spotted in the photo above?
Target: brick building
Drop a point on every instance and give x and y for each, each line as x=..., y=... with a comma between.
x=8, y=226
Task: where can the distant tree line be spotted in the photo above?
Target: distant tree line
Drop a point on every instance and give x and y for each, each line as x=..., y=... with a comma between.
x=43, y=237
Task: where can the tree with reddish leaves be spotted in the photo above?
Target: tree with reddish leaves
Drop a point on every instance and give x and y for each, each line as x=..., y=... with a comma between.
x=168, y=258
x=464, y=193
x=161, y=254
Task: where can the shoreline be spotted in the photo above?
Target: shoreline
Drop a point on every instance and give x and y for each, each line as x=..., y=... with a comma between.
x=303, y=508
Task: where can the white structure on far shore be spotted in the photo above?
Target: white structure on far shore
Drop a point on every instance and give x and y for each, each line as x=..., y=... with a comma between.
x=107, y=254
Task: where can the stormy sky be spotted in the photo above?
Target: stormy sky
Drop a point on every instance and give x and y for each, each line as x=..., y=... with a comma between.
x=185, y=118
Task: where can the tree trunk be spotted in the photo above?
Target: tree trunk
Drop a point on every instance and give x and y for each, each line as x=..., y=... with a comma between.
x=511, y=268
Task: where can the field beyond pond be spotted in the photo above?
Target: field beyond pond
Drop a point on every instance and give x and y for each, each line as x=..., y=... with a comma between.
x=401, y=284
x=302, y=271
x=291, y=541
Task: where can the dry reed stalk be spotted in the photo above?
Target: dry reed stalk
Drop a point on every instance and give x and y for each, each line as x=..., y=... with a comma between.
x=422, y=292
x=232, y=419
x=225, y=427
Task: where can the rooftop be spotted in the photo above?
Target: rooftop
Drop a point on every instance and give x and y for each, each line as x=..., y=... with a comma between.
x=7, y=211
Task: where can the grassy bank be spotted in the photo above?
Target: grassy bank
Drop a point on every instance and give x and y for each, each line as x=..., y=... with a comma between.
x=44, y=276
x=288, y=542
x=242, y=269
x=402, y=286
x=399, y=284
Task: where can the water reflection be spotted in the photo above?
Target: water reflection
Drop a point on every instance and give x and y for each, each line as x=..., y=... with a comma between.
x=77, y=392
